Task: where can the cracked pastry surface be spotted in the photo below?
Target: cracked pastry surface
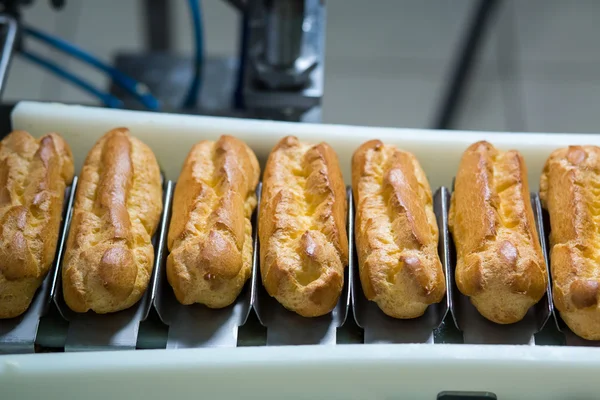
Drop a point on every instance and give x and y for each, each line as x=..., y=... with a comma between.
x=570, y=191
x=109, y=254
x=34, y=174
x=396, y=231
x=302, y=227
x=500, y=265
x=210, y=236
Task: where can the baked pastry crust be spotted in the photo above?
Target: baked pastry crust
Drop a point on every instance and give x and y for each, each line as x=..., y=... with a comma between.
x=302, y=227
x=396, y=231
x=34, y=174
x=210, y=236
x=500, y=264
x=109, y=254
x=570, y=191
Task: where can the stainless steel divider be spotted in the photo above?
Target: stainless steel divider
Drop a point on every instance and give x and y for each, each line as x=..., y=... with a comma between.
x=117, y=331
x=285, y=327
x=545, y=307
x=478, y=330
x=18, y=335
x=380, y=328
x=197, y=325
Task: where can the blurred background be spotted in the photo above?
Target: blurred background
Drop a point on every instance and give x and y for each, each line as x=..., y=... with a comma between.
x=387, y=61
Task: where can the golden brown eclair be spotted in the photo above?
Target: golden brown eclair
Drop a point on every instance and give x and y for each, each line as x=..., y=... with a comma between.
x=570, y=191
x=396, y=231
x=500, y=265
x=34, y=174
x=302, y=227
x=109, y=255
x=210, y=236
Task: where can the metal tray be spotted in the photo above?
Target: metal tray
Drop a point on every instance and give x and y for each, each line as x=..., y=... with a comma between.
x=116, y=331
x=285, y=327
x=569, y=338
x=18, y=335
x=378, y=327
x=479, y=330
x=365, y=371
x=197, y=325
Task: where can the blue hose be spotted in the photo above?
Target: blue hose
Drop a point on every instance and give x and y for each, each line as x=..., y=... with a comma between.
x=135, y=88
x=191, y=98
x=108, y=99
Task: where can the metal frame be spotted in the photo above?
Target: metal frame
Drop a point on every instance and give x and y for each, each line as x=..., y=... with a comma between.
x=9, y=26
x=462, y=68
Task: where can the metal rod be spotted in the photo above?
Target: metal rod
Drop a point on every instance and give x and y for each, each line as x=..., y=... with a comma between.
x=10, y=34
x=283, y=32
x=463, y=65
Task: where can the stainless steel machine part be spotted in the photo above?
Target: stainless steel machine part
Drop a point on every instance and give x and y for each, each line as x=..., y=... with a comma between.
x=8, y=27
x=283, y=32
x=286, y=41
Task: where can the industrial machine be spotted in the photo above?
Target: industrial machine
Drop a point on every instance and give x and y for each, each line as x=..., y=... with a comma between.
x=278, y=73
x=254, y=349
